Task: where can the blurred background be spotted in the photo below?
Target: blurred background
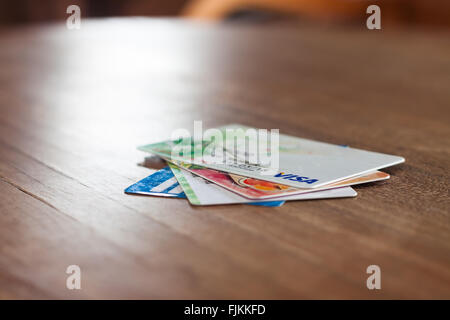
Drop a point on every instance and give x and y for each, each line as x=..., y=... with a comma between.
x=395, y=13
x=74, y=106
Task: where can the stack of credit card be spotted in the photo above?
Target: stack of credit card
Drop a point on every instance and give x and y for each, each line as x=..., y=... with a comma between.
x=305, y=170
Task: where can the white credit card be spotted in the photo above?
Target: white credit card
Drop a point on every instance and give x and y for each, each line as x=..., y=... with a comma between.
x=202, y=192
x=303, y=163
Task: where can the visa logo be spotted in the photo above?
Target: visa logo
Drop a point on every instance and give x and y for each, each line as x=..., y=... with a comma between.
x=294, y=177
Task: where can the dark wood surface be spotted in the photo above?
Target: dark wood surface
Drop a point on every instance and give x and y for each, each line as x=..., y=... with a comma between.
x=75, y=104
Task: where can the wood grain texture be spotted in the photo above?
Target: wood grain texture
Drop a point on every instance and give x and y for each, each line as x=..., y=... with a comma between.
x=75, y=104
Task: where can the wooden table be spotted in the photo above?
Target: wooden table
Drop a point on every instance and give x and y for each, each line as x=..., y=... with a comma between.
x=75, y=104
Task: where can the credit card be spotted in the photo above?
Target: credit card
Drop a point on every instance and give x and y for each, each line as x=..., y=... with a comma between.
x=303, y=163
x=164, y=184
x=202, y=192
x=161, y=183
x=259, y=189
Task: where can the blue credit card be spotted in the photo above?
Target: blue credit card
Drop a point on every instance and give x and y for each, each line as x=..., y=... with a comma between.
x=164, y=184
x=267, y=203
x=161, y=183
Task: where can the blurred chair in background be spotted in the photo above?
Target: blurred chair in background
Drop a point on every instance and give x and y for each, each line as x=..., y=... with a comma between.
x=319, y=9
x=394, y=12
x=434, y=13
